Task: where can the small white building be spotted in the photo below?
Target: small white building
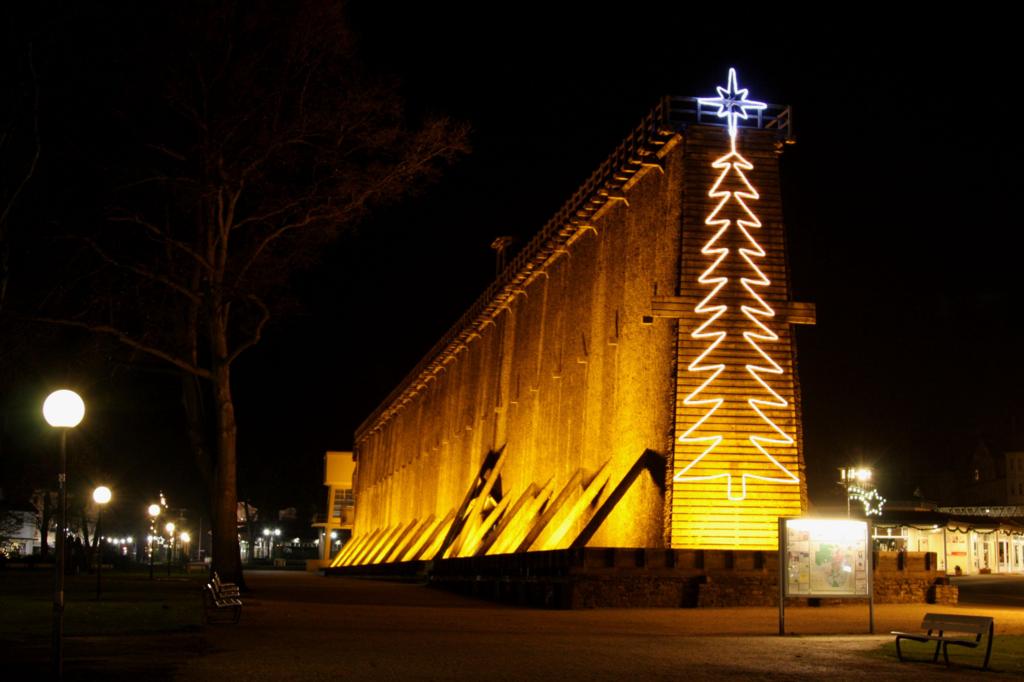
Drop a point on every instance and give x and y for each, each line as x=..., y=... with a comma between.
x=21, y=533
x=336, y=525
x=966, y=545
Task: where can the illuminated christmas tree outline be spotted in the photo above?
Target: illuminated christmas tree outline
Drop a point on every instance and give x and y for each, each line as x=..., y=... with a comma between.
x=733, y=104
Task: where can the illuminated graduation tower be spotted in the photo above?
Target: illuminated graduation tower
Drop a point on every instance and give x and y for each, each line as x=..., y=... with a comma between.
x=629, y=380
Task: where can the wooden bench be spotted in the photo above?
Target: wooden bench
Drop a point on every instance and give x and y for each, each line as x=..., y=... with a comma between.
x=217, y=606
x=222, y=588
x=939, y=627
x=196, y=567
x=222, y=598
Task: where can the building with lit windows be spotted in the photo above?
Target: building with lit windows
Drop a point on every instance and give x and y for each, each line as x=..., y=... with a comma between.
x=335, y=528
x=628, y=381
x=965, y=540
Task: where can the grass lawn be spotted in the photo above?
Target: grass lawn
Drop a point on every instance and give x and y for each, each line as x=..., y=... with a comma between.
x=1007, y=654
x=130, y=604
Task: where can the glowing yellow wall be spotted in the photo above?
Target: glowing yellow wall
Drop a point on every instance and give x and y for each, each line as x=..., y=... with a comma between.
x=339, y=468
x=703, y=515
x=566, y=376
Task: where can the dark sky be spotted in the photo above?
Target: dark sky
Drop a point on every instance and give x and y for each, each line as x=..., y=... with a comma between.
x=899, y=201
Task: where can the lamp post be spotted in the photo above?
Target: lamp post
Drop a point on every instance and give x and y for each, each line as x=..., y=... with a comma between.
x=853, y=476
x=154, y=511
x=100, y=496
x=170, y=544
x=62, y=410
x=186, y=548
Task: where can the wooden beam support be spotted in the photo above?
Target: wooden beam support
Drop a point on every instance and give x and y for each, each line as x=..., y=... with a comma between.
x=682, y=307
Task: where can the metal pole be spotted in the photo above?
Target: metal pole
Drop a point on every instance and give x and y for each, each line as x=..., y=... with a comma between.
x=57, y=650
x=99, y=549
x=782, y=577
x=871, y=579
x=169, y=552
x=846, y=478
x=151, y=555
x=945, y=553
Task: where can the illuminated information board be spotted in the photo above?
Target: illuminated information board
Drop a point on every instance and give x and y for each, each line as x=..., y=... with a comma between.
x=824, y=558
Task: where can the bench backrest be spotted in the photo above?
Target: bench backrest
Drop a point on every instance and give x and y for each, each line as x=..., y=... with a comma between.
x=951, y=622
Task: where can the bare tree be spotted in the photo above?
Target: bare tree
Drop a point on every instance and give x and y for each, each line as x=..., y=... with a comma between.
x=267, y=141
x=44, y=504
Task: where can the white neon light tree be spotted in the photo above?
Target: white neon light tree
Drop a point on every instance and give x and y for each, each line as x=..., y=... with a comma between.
x=733, y=275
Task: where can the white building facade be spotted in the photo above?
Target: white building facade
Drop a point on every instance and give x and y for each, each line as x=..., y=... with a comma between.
x=962, y=546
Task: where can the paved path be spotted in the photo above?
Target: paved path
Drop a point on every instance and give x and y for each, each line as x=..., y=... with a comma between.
x=991, y=590
x=306, y=627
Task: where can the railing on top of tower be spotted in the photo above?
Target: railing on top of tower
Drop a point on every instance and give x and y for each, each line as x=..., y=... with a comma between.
x=671, y=115
x=683, y=111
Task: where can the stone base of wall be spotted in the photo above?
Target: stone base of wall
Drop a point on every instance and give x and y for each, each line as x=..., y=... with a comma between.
x=403, y=570
x=944, y=594
x=635, y=592
x=897, y=589
x=739, y=590
x=578, y=592
x=625, y=577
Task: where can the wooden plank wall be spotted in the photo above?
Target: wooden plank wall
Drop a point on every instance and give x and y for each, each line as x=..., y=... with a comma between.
x=567, y=376
x=702, y=513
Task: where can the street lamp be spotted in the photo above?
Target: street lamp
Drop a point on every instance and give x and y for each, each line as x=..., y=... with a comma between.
x=62, y=410
x=853, y=478
x=170, y=544
x=154, y=511
x=100, y=496
x=185, y=539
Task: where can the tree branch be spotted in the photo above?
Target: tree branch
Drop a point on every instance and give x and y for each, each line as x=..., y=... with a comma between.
x=162, y=236
x=129, y=341
x=308, y=219
x=257, y=333
x=171, y=153
x=141, y=272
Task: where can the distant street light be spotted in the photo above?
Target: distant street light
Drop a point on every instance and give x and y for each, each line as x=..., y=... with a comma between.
x=186, y=549
x=855, y=481
x=100, y=496
x=170, y=544
x=62, y=410
x=185, y=539
x=154, y=512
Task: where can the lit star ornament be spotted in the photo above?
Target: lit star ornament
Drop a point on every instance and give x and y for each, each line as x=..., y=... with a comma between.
x=732, y=103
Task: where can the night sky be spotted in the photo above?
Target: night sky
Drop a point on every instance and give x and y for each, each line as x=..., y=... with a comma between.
x=899, y=197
